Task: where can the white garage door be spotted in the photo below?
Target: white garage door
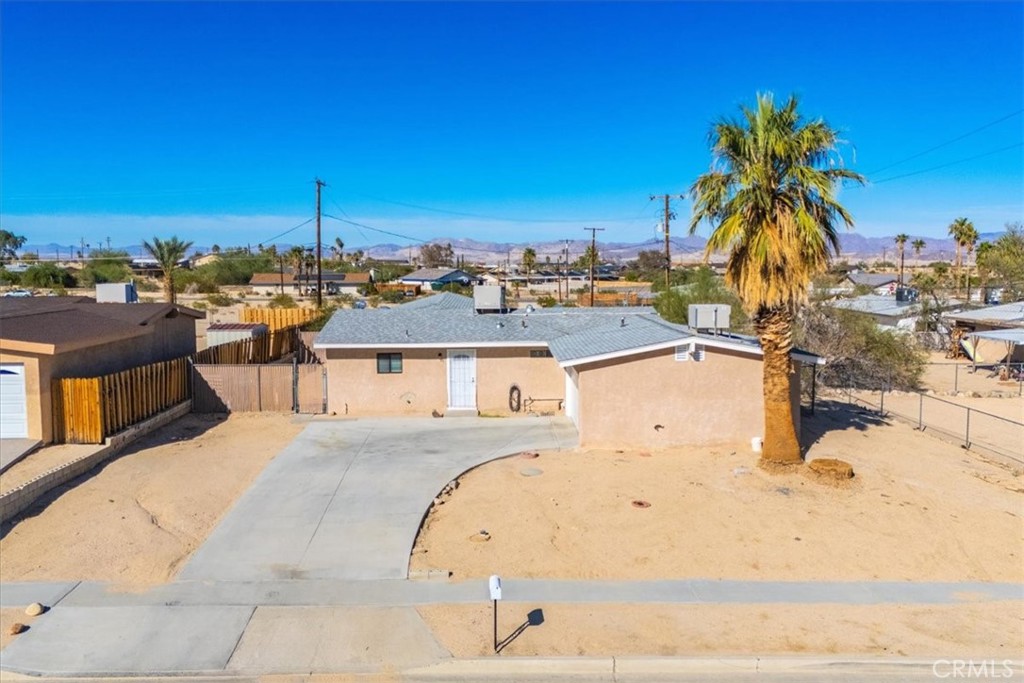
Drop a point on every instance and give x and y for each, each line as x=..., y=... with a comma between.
x=13, y=412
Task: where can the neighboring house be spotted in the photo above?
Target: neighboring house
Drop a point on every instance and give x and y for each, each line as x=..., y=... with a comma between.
x=886, y=311
x=624, y=376
x=269, y=284
x=880, y=283
x=427, y=277
x=45, y=338
x=990, y=318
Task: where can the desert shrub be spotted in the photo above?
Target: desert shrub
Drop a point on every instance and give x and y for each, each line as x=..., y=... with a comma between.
x=46, y=275
x=546, y=301
x=9, y=278
x=219, y=300
x=393, y=296
x=282, y=301
x=860, y=354
x=704, y=288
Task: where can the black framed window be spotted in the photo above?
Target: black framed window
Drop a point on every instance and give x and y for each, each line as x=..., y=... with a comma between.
x=389, y=363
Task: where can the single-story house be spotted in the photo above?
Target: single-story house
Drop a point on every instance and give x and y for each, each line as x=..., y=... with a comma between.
x=426, y=277
x=1002, y=317
x=46, y=338
x=886, y=311
x=269, y=284
x=623, y=376
x=880, y=283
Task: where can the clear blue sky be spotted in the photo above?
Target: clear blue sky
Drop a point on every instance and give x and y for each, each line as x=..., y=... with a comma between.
x=210, y=120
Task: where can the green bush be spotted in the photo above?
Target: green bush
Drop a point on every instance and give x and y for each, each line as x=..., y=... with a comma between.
x=220, y=300
x=105, y=265
x=704, y=287
x=282, y=301
x=393, y=296
x=46, y=275
x=546, y=301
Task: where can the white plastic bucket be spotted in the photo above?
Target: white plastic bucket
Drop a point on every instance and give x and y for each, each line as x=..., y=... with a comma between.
x=755, y=444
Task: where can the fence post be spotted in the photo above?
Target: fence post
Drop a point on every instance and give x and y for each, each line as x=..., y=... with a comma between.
x=881, y=402
x=323, y=390
x=295, y=384
x=920, y=412
x=956, y=379
x=967, y=436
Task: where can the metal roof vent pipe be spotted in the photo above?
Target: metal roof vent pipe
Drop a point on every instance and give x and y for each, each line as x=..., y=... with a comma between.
x=622, y=322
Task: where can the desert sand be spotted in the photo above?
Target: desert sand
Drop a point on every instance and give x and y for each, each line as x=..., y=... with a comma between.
x=919, y=509
x=135, y=520
x=991, y=629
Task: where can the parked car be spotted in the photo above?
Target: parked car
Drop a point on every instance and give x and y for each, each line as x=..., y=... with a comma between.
x=18, y=293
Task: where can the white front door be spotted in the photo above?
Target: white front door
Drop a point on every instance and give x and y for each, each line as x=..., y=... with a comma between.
x=462, y=379
x=13, y=411
x=572, y=395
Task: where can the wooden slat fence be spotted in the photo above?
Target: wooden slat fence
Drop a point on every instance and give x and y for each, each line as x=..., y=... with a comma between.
x=279, y=318
x=264, y=349
x=88, y=410
x=257, y=388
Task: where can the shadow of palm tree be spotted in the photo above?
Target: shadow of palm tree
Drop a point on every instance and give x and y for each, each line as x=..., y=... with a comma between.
x=831, y=415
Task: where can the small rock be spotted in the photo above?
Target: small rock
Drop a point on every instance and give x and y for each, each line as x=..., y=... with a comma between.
x=17, y=628
x=35, y=609
x=531, y=472
x=740, y=470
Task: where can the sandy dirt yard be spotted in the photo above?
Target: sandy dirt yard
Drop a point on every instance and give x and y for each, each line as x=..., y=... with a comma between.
x=990, y=629
x=919, y=509
x=138, y=518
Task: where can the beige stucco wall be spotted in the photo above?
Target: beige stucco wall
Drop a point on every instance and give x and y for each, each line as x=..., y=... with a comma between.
x=166, y=338
x=355, y=388
x=37, y=391
x=714, y=401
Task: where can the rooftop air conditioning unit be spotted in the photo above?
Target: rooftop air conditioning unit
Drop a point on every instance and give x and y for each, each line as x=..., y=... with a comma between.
x=489, y=299
x=116, y=293
x=709, y=317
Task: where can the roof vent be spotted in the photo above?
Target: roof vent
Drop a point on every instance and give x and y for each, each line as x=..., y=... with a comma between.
x=622, y=322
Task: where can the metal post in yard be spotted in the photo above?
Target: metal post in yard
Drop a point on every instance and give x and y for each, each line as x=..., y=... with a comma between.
x=967, y=436
x=956, y=379
x=920, y=412
x=814, y=386
x=881, y=402
x=295, y=384
x=323, y=391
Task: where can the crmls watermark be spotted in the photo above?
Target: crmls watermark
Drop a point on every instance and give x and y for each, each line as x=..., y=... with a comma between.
x=970, y=668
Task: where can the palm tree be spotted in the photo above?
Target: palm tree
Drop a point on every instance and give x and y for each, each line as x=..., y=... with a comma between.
x=901, y=244
x=297, y=260
x=970, y=238
x=770, y=197
x=529, y=261
x=338, y=249
x=168, y=255
x=918, y=245
x=957, y=230
x=981, y=260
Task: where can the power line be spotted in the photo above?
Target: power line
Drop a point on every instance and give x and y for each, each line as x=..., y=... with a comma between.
x=948, y=142
x=401, y=236
x=305, y=222
x=494, y=218
x=951, y=163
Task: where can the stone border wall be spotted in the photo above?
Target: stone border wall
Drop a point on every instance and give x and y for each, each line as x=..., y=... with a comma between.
x=16, y=500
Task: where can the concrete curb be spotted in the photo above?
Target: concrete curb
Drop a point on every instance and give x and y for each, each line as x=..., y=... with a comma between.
x=16, y=500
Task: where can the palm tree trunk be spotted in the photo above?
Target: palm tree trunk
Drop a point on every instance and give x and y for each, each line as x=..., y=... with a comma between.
x=168, y=287
x=775, y=330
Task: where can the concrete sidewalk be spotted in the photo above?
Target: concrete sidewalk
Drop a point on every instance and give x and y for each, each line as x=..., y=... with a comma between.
x=345, y=499
x=277, y=627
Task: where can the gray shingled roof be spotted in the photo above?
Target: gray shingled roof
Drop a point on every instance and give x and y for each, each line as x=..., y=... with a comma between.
x=871, y=279
x=569, y=333
x=1008, y=315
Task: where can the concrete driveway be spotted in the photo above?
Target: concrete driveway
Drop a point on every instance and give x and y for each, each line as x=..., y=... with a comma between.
x=345, y=499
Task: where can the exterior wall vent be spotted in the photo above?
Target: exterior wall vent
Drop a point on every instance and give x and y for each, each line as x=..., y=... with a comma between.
x=691, y=351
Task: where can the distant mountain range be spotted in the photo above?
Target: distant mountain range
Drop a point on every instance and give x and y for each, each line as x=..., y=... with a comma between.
x=855, y=247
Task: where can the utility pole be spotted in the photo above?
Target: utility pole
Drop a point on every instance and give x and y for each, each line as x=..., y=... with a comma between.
x=668, y=249
x=592, y=259
x=319, y=254
x=108, y=244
